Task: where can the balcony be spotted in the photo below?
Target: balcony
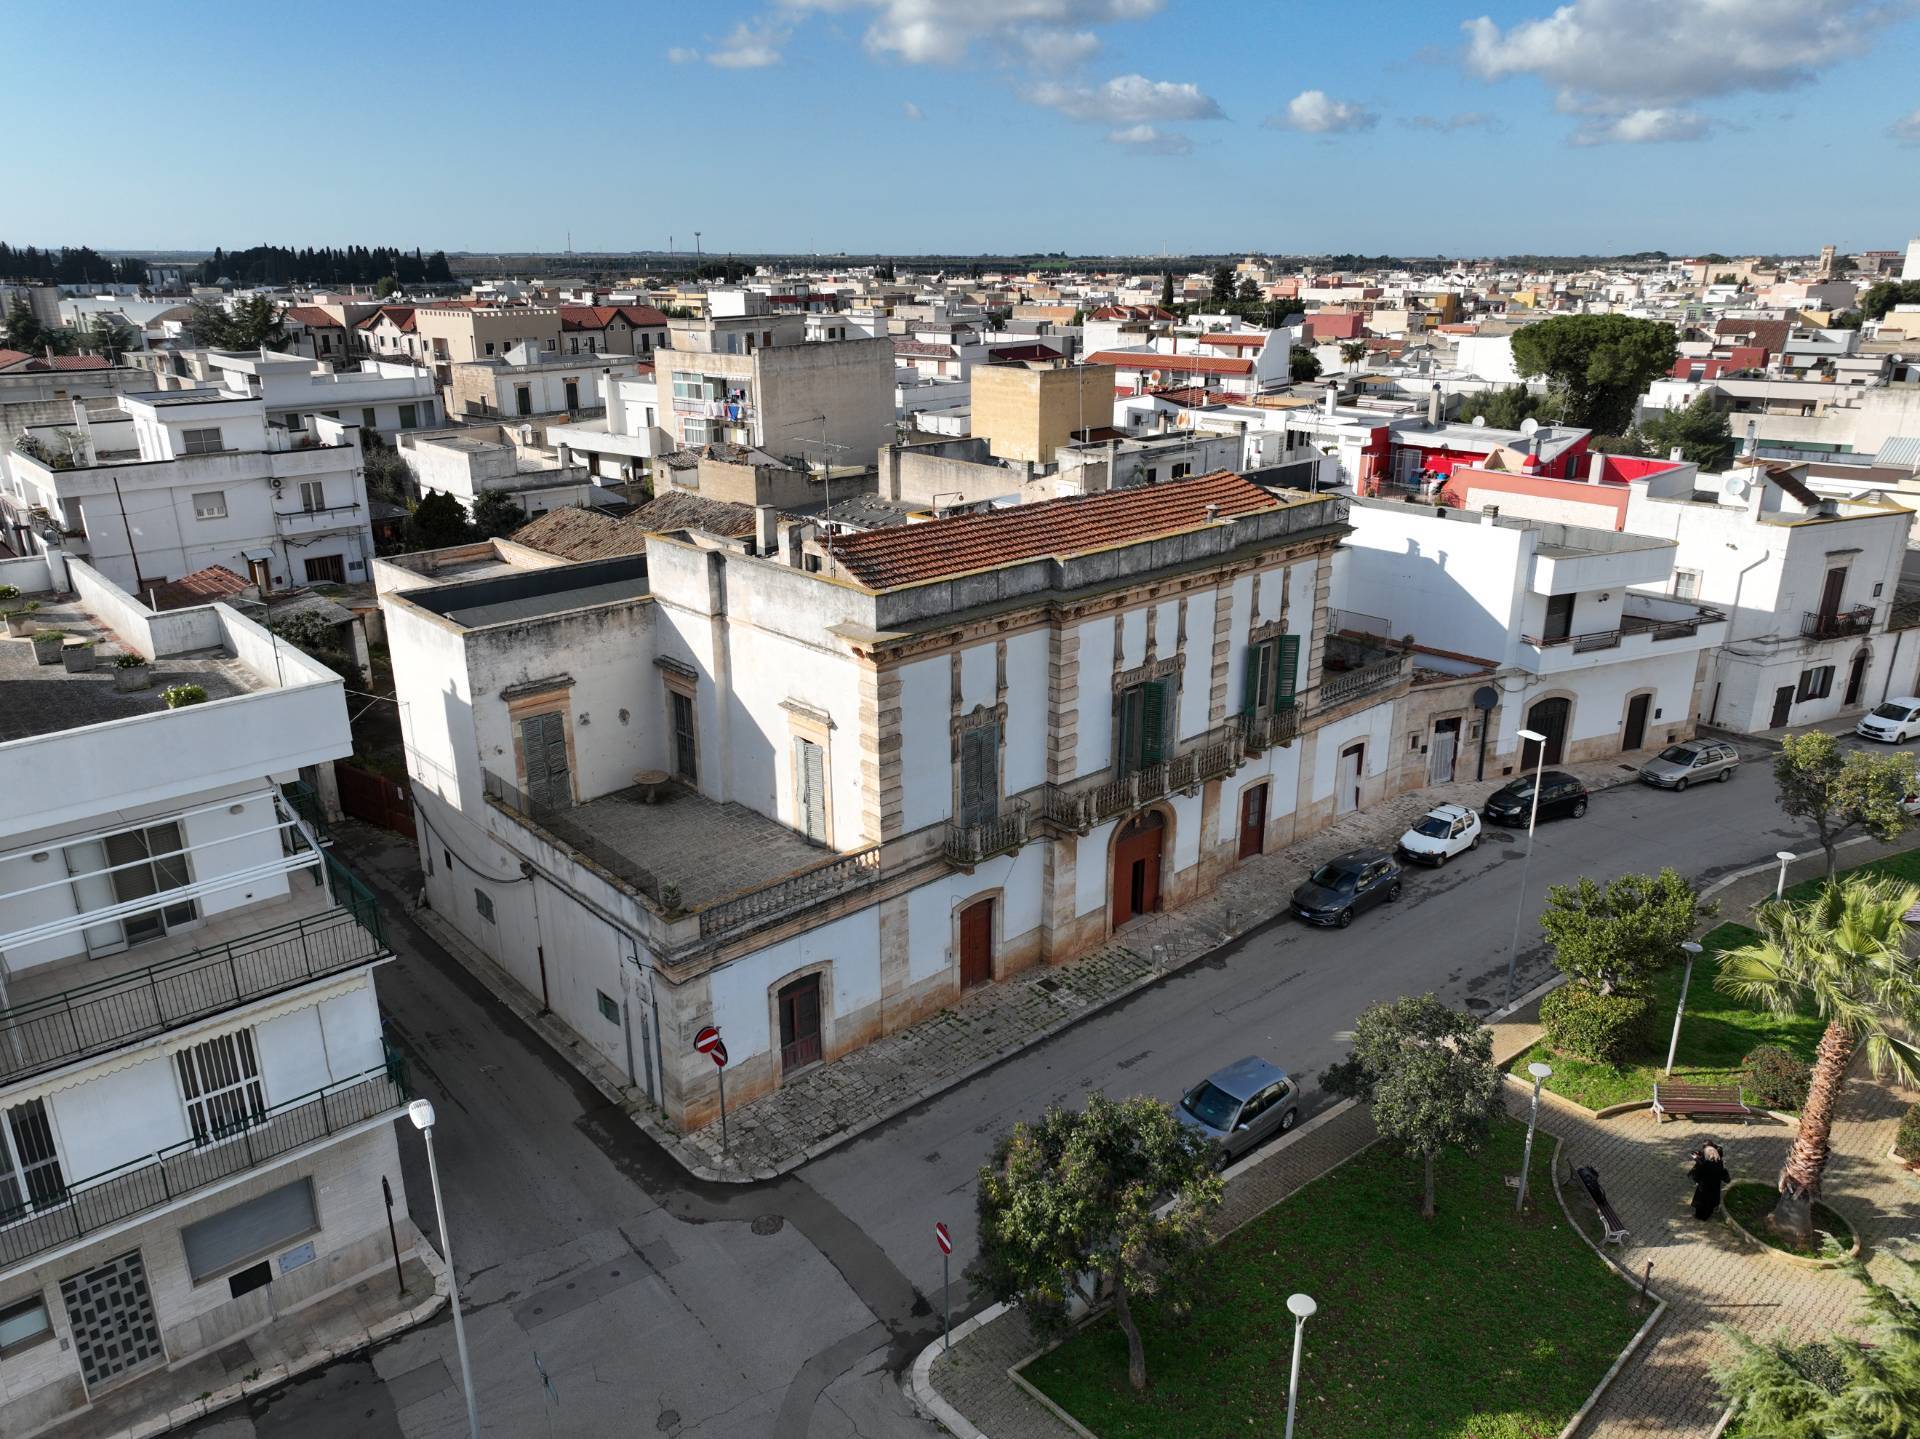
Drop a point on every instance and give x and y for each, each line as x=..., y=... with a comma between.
x=970, y=844
x=1837, y=624
x=1343, y=687
x=319, y=519
x=101, y=1201
x=1271, y=730
x=1081, y=806
x=108, y=1013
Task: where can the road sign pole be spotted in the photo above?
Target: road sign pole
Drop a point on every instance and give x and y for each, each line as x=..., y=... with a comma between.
x=721, y=1070
x=946, y=1299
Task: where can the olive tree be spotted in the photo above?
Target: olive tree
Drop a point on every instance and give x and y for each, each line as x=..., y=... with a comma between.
x=1841, y=791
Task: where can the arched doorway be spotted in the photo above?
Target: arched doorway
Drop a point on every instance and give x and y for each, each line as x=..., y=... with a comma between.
x=1548, y=717
x=1136, y=866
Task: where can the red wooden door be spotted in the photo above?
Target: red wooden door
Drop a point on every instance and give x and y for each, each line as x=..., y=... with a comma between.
x=800, y=1023
x=976, y=944
x=1253, y=820
x=1136, y=868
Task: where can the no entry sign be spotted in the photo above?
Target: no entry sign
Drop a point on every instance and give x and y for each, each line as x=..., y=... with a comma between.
x=718, y=1052
x=707, y=1039
x=942, y=1238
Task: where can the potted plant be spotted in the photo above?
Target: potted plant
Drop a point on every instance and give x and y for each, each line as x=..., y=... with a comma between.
x=130, y=673
x=20, y=620
x=77, y=655
x=9, y=599
x=180, y=696
x=46, y=645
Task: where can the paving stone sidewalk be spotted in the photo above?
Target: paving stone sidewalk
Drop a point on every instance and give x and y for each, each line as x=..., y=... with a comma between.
x=829, y=1104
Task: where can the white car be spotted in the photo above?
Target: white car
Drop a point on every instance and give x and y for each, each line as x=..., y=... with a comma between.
x=1440, y=834
x=1893, y=721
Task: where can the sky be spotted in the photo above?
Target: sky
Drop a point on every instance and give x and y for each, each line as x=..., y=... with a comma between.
x=1135, y=127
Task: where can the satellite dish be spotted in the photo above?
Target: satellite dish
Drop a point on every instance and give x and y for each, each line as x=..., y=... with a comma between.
x=1479, y=422
x=1738, y=488
x=1529, y=425
x=1486, y=697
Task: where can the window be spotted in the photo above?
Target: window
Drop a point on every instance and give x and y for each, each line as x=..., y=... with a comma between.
x=810, y=788
x=696, y=432
x=1686, y=584
x=313, y=495
x=409, y=417
x=138, y=863
x=483, y=903
x=30, y=1176
x=325, y=570
x=543, y=760
x=489, y=347
x=1268, y=680
x=687, y=386
x=685, y=746
x=367, y=419
x=979, y=774
x=1181, y=469
x=1143, y=725
x=210, y=505
x=522, y=400
x=201, y=442
x=609, y=1010
x=24, y=1323
x=249, y=1230
x=1816, y=683
x=220, y=1081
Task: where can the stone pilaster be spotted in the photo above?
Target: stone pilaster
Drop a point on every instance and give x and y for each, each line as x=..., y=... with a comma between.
x=1218, y=698
x=881, y=796
x=1063, y=702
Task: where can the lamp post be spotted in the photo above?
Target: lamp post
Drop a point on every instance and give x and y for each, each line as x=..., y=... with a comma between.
x=1539, y=1072
x=1786, y=857
x=1539, y=742
x=1303, y=1309
x=1693, y=953
x=421, y=1113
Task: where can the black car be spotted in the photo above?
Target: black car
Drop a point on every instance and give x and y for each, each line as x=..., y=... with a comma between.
x=1345, y=885
x=1561, y=797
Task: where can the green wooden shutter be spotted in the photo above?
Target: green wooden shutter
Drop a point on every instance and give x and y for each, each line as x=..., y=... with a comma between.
x=1250, y=681
x=543, y=746
x=1289, y=650
x=1153, y=722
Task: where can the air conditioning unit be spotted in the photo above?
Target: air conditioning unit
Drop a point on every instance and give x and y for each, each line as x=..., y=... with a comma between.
x=276, y=482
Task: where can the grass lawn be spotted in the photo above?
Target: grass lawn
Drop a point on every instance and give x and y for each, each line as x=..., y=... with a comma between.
x=1473, y=1325
x=1750, y=1202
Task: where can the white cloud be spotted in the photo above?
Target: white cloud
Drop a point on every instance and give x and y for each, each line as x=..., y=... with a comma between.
x=1150, y=140
x=1635, y=64
x=1906, y=129
x=749, y=47
x=941, y=32
x=680, y=55
x=1461, y=120
x=911, y=111
x=1126, y=99
x=1315, y=112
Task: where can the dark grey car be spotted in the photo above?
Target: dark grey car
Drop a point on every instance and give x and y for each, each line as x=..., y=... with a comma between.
x=1241, y=1105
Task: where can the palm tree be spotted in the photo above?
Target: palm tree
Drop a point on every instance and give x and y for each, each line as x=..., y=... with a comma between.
x=1841, y=955
x=1353, y=352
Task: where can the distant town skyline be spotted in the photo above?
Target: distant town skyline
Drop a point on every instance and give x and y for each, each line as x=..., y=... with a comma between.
x=1122, y=127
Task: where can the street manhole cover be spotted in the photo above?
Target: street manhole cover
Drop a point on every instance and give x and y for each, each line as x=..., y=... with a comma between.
x=769, y=1224
x=668, y=1418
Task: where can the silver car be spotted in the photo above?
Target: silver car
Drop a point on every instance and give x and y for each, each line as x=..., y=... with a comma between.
x=1679, y=765
x=1241, y=1105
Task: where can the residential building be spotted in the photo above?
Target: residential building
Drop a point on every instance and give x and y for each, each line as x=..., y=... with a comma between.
x=811, y=792
x=465, y=462
x=389, y=333
x=612, y=329
x=196, y=1104
x=527, y=381
x=384, y=397
x=1025, y=412
x=456, y=334
x=831, y=401
x=619, y=445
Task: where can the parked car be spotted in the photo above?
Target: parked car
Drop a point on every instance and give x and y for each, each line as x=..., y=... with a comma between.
x=1561, y=797
x=1441, y=833
x=1345, y=885
x=1893, y=721
x=1679, y=765
x=1239, y=1106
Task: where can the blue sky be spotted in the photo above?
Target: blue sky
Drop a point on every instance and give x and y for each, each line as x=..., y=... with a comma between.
x=1102, y=126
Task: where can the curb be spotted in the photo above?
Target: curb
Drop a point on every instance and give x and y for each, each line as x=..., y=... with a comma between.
x=1804, y=1261
x=919, y=1385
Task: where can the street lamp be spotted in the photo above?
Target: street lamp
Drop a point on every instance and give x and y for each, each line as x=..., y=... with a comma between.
x=1303, y=1309
x=1539, y=1072
x=421, y=1113
x=1693, y=953
x=1539, y=743
x=1786, y=857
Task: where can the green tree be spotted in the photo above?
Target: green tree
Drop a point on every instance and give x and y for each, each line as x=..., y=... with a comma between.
x=316, y=635
x=1083, y=1192
x=1166, y=289
x=1883, y=296
x=1428, y=1073
x=1352, y=352
x=1222, y=285
x=1613, y=937
x=1841, y=955
x=24, y=332
x=1700, y=430
x=386, y=285
x=1506, y=408
x=253, y=323
x=1598, y=364
x=497, y=513
x=107, y=339
x=437, y=521
x=1845, y=320
x=1728, y=278
x=1302, y=364
x=1841, y=791
x=1249, y=291
x=387, y=475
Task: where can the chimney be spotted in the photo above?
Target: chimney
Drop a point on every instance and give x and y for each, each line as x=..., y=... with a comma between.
x=1489, y=514
x=1596, y=467
x=1753, y=438
x=1213, y=514
x=1533, y=447
x=1674, y=455
x=766, y=528
x=1433, y=406
x=1332, y=399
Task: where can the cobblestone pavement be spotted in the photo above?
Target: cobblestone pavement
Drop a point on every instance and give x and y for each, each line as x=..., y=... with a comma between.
x=833, y=1102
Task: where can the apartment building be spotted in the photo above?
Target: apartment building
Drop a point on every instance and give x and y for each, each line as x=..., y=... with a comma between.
x=1025, y=412
x=454, y=334
x=723, y=383
x=389, y=333
x=620, y=444
x=813, y=792
x=173, y=481
x=196, y=1104
x=379, y=396
x=467, y=462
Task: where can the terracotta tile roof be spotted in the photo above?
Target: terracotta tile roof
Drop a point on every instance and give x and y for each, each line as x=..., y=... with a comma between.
x=312, y=316
x=903, y=346
x=12, y=357
x=911, y=554
x=1235, y=341
x=401, y=315
x=1180, y=364
x=202, y=587
x=1132, y=312
x=14, y=362
x=598, y=317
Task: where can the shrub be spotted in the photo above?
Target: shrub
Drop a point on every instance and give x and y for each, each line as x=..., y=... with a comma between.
x=129, y=661
x=1589, y=1025
x=53, y=638
x=177, y=696
x=1775, y=1078
x=9, y=595
x=1907, y=1138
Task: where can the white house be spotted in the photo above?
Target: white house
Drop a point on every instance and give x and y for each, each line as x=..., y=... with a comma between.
x=385, y=397
x=196, y=1104
x=464, y=463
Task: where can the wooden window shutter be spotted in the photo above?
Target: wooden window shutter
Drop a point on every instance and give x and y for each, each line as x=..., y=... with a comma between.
x=543, y=746
x=979, y=774
x=1250, y=680
x=1153, y=722
x=1289, y=653
x=809, y=767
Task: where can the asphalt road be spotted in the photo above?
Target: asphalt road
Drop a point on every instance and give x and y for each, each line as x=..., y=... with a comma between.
x=659, y=1305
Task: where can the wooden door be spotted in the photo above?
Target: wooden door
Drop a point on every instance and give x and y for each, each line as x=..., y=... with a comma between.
x=1549, y=717
x=1856, y=673
x=976, y=943
x=800, y=1024
x=1136, y=868
x=1559, y=618
x=1830, y=596
x=1253, y=820
x=1636, y=732
x=1782, y=704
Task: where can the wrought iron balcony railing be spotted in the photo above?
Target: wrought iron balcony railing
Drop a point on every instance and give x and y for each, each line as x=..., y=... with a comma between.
x=1837, y=624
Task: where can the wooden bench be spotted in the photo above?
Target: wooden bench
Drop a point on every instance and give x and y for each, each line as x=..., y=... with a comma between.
x=1589, y=1177
x=1697, y=1099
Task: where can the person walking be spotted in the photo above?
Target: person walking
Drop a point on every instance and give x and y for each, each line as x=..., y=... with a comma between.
x=1709, y=1176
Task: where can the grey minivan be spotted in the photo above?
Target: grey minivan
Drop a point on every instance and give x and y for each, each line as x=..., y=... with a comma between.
x=1241, y=1105
x=1679, y=765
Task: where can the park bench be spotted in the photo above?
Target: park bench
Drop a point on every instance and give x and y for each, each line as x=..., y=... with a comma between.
x=1589, y=1177
x=1698, y=1099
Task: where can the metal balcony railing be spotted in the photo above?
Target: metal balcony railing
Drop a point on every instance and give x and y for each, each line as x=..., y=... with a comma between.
x=108, y=1013
x=88, y=1205
x=969, y=844
x=1838, y=624
x=1080, y=807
